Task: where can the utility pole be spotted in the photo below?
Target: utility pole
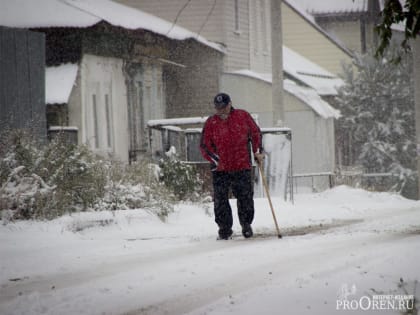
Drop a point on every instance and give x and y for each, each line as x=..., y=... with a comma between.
x=277, y=63
x=416, y=69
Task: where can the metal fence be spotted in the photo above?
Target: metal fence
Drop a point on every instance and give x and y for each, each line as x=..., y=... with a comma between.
x=184, y=135
x=315, y=182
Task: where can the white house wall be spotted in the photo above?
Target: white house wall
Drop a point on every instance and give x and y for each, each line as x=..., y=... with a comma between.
x=312, y=138
x=250, y=94
x=104, y=107
x=312, y=146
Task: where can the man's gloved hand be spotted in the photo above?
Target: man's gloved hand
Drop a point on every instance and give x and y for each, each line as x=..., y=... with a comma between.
x=259, y=157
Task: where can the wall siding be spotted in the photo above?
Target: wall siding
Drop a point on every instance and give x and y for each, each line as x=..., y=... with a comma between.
x=345, y=32
x=237, y=41
x=192, y=17
x=300, y=36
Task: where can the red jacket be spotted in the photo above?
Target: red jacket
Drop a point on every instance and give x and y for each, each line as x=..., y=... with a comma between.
x=225, y=143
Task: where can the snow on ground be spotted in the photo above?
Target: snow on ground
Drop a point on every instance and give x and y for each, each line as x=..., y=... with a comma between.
x=340, y=246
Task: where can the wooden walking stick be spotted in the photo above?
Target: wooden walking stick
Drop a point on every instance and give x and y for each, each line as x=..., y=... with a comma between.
x=269, y=199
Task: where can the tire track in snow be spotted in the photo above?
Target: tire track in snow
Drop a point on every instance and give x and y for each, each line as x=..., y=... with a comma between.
x=262, y=272
x=171, y=282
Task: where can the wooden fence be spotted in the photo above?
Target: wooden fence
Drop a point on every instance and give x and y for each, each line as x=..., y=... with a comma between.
x=22, y=81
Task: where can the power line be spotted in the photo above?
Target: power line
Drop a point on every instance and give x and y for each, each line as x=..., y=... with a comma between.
x=207, y=17
x=177, y=16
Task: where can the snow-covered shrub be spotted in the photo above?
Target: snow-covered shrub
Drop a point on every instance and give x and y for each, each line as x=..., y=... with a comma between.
x=157, y=197
x=181, y=178
x=78, y=174
x=51, y=179
x=136, y=186
x=21, y=190
x=376, y=129
x=47, y=180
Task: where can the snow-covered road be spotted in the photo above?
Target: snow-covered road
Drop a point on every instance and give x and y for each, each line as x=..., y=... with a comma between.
x=343, y=241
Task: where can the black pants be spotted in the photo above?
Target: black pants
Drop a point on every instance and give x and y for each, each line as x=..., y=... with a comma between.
x=242, y=189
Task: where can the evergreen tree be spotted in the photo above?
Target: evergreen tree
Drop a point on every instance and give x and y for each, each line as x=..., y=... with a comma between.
x=377, y=123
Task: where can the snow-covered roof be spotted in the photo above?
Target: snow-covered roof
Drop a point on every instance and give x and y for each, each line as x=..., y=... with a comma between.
x=304, y=70
x=176, y=121
x=59, y=82
x=85, y=13
x=297, y=66
x=332, y=6
x=308, y=96
x=252, y=74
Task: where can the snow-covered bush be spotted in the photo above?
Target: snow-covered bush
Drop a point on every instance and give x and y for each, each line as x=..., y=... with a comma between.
x=376, y=129
x=51, y=179
x=78, y=174
x=136, y=186
x=47, y=180
x=181, y=178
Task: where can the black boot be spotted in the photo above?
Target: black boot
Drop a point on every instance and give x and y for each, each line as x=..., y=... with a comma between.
x=225, y=234
x=247, y=231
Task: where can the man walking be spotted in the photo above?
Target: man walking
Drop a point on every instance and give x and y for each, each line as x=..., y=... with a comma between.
x=226, y=142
